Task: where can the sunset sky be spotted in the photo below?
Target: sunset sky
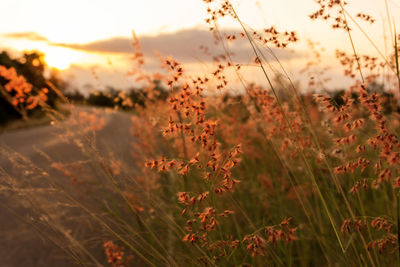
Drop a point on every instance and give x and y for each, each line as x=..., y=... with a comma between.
x=82, y=37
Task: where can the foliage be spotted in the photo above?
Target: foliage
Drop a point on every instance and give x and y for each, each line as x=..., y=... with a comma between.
x=267, y=177
x=31, y=67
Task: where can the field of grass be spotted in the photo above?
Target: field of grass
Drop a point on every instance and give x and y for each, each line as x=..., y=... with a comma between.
x=272, y=176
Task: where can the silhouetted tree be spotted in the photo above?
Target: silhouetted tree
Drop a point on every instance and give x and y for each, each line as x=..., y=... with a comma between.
x=32, y=66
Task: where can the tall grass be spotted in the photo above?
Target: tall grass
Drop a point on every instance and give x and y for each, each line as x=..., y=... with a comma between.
x=268, y=177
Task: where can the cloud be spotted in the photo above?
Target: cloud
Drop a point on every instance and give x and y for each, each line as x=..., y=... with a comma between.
x=183, y=45
x=31, y=36
x=113, y=45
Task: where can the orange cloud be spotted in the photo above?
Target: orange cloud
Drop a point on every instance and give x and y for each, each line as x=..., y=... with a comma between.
x=31, y=36
x=183, y=45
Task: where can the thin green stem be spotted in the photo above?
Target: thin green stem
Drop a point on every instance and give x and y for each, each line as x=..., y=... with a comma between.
x=352, y=43
x=293, y=133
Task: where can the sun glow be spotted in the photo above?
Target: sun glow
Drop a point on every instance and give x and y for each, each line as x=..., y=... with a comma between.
x=57, y=61
x=61, y=58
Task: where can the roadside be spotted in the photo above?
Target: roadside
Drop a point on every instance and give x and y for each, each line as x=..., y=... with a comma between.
x=28, y=154
x=32, y=121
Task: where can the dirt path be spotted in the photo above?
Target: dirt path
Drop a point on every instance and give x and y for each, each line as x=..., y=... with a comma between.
x=26, y=156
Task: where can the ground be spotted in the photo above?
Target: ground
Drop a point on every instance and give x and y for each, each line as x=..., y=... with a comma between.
x=20, y=243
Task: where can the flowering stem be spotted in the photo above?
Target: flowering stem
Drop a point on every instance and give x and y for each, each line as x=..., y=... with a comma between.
x=352, y=43
x=398, y=226
x=294, y=136
x=396, y=54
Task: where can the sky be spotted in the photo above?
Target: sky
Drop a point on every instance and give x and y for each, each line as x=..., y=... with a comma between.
x=89, y=40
